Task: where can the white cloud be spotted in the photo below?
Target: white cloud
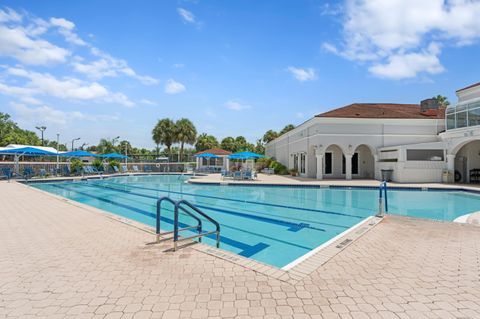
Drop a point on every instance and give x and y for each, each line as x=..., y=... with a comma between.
x=147, y=102
x=302, y=74
x=66, y=29
x=48, y=115
x=174, y=87
x=186, y=15
x=236, y=106
x=386, y=34
x=108, y=66
x=408, y=65
x=66, y=88
x=16, y=43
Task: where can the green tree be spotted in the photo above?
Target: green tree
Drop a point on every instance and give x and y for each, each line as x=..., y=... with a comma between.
x=269, y=136
x=10, y=133
x=165, y=133
x=242, y=145
x=286, y=129
x=442, y=100
x=124, y=145
x=186, y=134
x=105, y=146
x=259, y=147
x=205, y=141
x=228, y=144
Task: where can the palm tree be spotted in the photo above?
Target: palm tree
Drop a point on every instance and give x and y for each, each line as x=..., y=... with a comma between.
x=286, y=129
x=164, y=133
x=105, y=146
x=269, y=136
x=186, y=133
x=228, y=144
x=442, y=100
x=205, y=141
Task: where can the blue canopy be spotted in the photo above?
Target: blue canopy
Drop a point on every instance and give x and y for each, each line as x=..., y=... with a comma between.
x=78, y=154
x=113, y=155
x=207, y=155
x=245, y=155
x=32, y=151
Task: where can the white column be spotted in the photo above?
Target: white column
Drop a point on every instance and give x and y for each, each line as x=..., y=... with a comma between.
x=375, y=166
x=319, y=166
x=227, y=163
x=451, y=162
x=348, y=166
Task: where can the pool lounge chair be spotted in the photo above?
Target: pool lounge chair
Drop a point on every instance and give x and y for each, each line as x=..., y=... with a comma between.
x=147, y=168
x=42, y=172
x=135, y=168
x=237, y=175
x=6, y=173
x=124, y=169
x=28, y=172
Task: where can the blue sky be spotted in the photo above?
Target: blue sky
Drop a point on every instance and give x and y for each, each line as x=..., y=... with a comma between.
x=99, y=69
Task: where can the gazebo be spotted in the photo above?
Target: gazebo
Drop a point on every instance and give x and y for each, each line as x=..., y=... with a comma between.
x=217, y=163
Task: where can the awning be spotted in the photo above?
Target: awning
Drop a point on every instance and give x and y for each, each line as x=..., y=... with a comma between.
x=245, y=155
x=27, y=151
x=207, y=155
x=113, y=155
x=78, y=154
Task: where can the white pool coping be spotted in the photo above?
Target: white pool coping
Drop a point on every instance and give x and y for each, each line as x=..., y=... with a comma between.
x=325, y=244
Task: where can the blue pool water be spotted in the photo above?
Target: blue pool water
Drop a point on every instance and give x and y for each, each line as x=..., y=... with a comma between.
x=275, y=225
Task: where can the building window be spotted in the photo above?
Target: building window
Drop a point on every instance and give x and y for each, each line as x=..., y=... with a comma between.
x=328, y=163
x=461, y=119
x=302, y=163
x=295, y=162
x=474, y=117
x=450, y=121
x=425, y=155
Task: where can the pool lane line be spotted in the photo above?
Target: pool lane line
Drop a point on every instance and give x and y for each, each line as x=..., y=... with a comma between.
x=239, y=201
x=223, y=225
x=247, y=250
x=291, y=226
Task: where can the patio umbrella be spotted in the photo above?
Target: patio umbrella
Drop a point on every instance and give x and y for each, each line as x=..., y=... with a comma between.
x=245, y=155
x=207, y=155
x=21, y=151
x=32, y=151
x=113, y=155
x=78, y=154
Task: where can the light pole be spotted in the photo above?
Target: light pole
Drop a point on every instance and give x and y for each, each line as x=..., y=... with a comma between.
x=83, y=145
x=41, y=129
x=114, y=140
x=58, y=157
x=75, y=139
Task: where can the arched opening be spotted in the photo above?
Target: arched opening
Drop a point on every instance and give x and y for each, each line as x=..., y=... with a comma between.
x=467, y=163
x=363, y=163
x=333, y=162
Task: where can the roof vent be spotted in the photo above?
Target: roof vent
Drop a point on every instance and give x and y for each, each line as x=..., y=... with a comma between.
x=429, y=104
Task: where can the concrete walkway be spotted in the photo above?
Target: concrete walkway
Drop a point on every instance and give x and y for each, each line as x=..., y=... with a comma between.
x=59, y=260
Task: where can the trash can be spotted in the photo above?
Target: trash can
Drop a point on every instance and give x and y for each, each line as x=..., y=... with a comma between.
x=447, y=176
x=387, y=175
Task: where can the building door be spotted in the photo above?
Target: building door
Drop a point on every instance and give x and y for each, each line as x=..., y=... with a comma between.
x=302, y=163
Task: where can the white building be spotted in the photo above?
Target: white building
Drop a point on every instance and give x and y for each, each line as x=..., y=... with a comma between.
x=415, y=141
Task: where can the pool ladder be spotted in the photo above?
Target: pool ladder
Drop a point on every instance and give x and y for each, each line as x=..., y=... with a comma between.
x=382, y=199
x=190, y=210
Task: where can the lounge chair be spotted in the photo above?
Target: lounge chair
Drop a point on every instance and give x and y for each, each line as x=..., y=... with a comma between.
x=124, y=169
x=115, y=169
x=135, y=168
x=28, y=172
x=237, y=175
x=147, y=168
x=248, y=175
x=66, y=171
x=42, y=172
x=6, y=173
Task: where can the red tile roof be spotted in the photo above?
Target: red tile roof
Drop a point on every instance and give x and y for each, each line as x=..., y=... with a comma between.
x=384, y=111
x=216, y=151
x=469, y=87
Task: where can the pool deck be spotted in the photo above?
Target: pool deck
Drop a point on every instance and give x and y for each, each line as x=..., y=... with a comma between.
x=60, y=260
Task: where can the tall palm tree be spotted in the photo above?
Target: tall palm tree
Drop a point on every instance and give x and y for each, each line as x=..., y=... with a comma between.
x=164, y=133
x=442, y=100
x=186, y=133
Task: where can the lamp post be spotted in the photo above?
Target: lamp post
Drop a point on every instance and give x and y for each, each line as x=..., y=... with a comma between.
x=83, y=145
x=114, y=140
x=75, y=139
x=58, y=157
x=41, y=129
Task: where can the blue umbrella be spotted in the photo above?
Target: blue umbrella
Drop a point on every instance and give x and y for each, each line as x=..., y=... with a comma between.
x=113, y=155
x=207, y=155
x=78, y=154
x=245, y=155
x=32, y=151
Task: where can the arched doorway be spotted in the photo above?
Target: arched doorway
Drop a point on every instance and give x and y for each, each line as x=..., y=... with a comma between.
x=333, y=163
x=467, y=162
x=363, y=163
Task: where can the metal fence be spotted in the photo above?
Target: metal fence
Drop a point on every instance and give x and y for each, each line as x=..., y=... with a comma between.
x=50, y=168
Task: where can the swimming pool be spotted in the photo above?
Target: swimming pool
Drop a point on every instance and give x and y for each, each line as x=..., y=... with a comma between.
x=274, y=225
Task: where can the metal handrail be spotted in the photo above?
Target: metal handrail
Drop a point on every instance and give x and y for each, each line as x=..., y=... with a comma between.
x=382, y=194
x=159, y=214
x=200, y=234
